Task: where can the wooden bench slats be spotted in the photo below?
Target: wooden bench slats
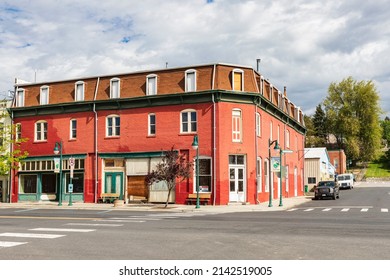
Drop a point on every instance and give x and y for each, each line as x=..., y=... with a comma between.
x=204, y=198
x=108, y=197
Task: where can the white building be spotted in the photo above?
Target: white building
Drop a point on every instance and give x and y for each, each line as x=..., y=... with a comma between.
x=317, y=166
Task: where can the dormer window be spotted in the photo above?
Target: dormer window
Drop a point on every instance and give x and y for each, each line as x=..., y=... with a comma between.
x=190, y=80
x=238, y=80
x=19, y=99
x=44, y=95
x=151, y=84
x=115, y=86
x=79, y=91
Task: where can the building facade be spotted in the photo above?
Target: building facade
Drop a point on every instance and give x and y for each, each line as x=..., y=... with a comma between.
x=339, y=160
x=318, y=166
x=112, y=130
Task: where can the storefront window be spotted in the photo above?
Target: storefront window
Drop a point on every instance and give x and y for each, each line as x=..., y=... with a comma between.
x=77, y=181
x=27, y=184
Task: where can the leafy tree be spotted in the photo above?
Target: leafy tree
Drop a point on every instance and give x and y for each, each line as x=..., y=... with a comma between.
x=10, y=159
x=353, y=112
x=173, y=166
x=320, y=125
x=385, y=124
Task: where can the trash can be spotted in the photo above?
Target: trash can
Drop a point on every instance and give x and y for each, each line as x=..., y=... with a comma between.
x=306, y=188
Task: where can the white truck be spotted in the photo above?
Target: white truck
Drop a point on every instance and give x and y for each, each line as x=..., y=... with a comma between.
x=345, y=181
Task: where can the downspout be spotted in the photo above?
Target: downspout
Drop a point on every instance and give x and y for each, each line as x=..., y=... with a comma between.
x=12, y=171
x=96, y=141
x=256, y=155
x=214, y=142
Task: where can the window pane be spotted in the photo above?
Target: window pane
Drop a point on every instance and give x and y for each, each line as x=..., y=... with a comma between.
x=28, y=184
x=204, y=166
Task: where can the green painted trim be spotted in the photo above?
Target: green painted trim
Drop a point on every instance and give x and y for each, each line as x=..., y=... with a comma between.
x=132, y=155
x=77, y=156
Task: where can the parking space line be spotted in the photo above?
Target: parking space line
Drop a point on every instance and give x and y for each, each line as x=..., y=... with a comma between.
x=29, y=235
x=10, y=244
x=63, y=229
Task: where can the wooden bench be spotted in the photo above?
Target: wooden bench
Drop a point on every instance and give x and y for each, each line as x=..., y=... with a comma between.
x=108, y=197
x=204, y=198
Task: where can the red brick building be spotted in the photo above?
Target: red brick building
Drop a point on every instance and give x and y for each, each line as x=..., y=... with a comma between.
x=117, y=127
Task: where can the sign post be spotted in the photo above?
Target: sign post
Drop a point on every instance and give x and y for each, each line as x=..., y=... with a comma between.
x=70, y=186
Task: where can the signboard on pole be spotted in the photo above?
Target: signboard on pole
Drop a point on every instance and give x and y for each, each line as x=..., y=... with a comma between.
x=71, y=165
x=275, y=164
x=56, y=165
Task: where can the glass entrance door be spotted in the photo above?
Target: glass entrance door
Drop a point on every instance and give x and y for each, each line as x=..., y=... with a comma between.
x=237, y=183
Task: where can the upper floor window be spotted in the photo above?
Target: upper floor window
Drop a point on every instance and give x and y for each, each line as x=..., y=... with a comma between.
x=259, y=169
x=1, y=134
x=152, y=125
x=115, y=88
x=236, y=125
x=287, y=138
x=79, y=91
x=258, y=125
x=41, y=131
x=18, y=131
x=44, y=95
x=188, y=121
x=19, y=98
x=238, y=80
x=73, y=129
x=113, y=125
x=190, y=80
x=151, y=84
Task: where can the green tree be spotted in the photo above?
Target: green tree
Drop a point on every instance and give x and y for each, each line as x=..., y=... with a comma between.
x=10, y=159
x=173, y=167
x=320, y=125
x=353, y=114
x=385, y=124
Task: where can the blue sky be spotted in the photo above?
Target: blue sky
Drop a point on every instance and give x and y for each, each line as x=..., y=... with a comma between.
x=303, y=45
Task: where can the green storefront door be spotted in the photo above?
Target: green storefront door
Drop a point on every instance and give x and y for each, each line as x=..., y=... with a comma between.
x=114, y=183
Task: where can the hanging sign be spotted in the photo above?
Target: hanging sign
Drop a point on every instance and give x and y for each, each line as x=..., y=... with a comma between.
x=56, y=165
x=275, y=164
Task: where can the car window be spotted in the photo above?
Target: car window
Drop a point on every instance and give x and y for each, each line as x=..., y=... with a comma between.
x=326, y=183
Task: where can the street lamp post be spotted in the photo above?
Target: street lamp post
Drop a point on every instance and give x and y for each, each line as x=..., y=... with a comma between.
x=58, y=149
x=281, y=177
x=269, y=168
x=195, y=146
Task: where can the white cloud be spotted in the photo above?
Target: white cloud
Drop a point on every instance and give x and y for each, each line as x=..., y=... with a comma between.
x=304, y=45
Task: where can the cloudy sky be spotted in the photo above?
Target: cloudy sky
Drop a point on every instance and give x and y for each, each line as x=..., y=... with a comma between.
x=303, y=44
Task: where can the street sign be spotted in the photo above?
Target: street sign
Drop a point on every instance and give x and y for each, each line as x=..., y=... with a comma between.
x=71, y=165
x=70, y=188
x=56, y=165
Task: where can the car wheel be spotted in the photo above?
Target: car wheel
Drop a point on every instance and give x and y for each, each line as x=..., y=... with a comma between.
x=334, y=197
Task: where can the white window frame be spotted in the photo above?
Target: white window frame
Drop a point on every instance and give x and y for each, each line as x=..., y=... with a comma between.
x=242, y=79
x=190, y=85
x=18, y=131
x=19, y=100
x=113, y=127
x=258, y=125
x=259, y=174
x=200, y=175
x=287, y=138
x=44, y=95
x=151, y=124
x=237, y=122
x=152, y=78
x=40, y=131
x=79, y=96
x=189, y=122
x=271, y=128
x=115, y=93
x=73, y=128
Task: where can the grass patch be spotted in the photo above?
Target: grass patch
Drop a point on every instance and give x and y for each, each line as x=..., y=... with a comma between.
x=378, y=170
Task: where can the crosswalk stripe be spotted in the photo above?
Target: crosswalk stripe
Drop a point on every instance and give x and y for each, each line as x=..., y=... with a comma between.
x=94, y=225
x=385, y=210
x=364, y=210
x=310, y=209
x=122, y=221
x=30, y=235
x=63, y=229
x=327, y=209
x=10, y=244
x=293, y=209
x=345, y=210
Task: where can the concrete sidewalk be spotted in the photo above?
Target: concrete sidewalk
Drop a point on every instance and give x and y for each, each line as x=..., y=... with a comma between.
x=234, y=207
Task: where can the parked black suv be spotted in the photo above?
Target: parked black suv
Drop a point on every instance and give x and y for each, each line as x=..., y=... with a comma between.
x=327, y=189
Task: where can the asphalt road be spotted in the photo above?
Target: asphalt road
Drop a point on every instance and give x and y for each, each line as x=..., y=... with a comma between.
x=354, y=227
